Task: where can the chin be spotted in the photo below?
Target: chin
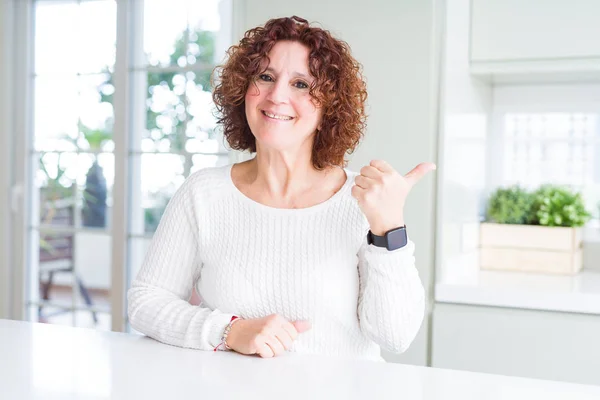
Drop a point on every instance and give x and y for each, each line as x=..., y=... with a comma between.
x=275, y=145
x=278, y=140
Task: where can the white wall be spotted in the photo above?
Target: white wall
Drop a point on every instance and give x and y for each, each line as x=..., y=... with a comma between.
x=5, y=153
x=394, y=40
x=537, y=29
x=465, y=119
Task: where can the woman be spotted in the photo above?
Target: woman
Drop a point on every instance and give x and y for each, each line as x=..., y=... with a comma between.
x=288, y=251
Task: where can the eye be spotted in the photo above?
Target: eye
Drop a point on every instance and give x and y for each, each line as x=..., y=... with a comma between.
x=265, y=77
x=301, y=85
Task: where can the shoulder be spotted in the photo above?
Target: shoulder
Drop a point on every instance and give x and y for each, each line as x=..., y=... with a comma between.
x=214, y=176
x=206, y=184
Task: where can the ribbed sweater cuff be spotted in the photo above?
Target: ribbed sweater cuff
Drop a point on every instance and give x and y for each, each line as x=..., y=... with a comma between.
x=213, y=328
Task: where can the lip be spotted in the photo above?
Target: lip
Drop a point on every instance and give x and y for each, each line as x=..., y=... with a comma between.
x=262, y=112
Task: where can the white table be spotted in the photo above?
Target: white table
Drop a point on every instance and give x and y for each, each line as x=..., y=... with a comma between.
x=40, y=361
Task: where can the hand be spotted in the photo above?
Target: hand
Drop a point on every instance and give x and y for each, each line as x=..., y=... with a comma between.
x=268, y=336
x=381, y=193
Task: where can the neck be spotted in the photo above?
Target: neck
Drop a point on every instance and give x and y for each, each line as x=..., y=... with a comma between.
x=283, y=176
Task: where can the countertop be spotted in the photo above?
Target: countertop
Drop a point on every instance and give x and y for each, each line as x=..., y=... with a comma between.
x=40, y=361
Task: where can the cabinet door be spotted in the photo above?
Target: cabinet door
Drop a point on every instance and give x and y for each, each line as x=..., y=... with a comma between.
x=527, y=30
x=533, y=344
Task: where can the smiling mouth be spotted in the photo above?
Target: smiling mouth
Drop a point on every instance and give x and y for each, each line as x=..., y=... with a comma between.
x=276, y=116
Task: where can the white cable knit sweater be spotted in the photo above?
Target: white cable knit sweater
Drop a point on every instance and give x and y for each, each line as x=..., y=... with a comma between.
x=252, y=260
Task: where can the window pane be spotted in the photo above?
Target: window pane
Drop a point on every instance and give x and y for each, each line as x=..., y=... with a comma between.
x=167, y=119
x=97, y=36
x=557, y=148
x=95, y=181
x=96, y=320
x=204, y=23
x=93, y=265
x=556, y=125
x=202, y=131
x=161, y=176
x=52, y=252
x=56, y=179
x=75, y=37
x=56, y=37
x=204, y=161
x=75, y=189
x=165, y=24
x=138, y=246
x=180, y=115
x=57, y=315
x=52, y=314
x=74, y=113
x=204, y=15
x=56, y=113
x=71, y=269
x=96, y=112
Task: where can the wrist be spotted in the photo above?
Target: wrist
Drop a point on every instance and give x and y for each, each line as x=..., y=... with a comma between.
x=226, y=338
x=381, y=229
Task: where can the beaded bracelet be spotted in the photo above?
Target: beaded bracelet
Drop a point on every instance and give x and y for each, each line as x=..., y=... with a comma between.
x=226, y=333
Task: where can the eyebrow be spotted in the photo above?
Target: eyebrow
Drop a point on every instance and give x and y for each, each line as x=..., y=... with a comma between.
x=300, y=74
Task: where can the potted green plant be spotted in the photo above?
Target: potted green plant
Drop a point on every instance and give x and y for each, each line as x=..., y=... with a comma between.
x=536, y=231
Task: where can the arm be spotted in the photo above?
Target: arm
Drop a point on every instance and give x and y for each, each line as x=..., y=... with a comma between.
x=391, y=301
x=157, y=300
x=391, y=297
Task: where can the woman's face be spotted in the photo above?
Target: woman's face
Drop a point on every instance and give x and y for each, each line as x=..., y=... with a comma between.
x=280, y=111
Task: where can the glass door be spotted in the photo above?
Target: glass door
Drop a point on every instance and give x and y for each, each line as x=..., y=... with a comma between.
x=122, y=113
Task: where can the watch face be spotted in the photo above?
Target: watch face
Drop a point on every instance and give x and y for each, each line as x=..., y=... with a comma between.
x=396, y=238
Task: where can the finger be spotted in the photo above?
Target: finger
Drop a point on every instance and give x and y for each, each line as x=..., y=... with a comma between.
x=358, y=192
x=290, y=330
x=419, y=171
x=302, y=326
x=284, y=337
x=364, y=182
x=381, y=165
x=370, y=172
x=275, y=345
x=265, y=351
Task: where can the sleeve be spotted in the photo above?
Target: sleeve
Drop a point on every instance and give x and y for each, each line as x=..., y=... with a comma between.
x=158, y=298
x=391, y=302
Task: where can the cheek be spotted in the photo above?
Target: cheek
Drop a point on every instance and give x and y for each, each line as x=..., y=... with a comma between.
x=307, y=109
x=309, y=112
x=252, y=94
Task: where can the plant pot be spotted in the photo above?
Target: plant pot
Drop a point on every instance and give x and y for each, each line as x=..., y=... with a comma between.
x=530, y=248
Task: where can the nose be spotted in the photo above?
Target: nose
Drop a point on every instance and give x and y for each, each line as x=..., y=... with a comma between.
x=279, y=92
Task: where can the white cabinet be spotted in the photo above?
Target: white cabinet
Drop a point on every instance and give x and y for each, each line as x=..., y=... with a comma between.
x=535, y=36
x=534, y=344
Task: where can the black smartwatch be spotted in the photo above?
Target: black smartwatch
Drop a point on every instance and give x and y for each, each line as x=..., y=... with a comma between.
x=392, y=240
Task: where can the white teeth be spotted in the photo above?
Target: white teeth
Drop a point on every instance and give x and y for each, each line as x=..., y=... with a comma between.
x=275, y=116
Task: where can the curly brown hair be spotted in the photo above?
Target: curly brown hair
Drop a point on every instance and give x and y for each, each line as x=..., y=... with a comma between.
x=339, y=87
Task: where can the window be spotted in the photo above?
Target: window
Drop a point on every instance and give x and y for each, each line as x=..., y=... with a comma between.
x=99, y=178
x=547, y=134
x=558, y=147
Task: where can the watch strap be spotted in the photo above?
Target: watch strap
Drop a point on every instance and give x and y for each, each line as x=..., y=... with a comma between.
x=392, y=240
x=379, y=241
